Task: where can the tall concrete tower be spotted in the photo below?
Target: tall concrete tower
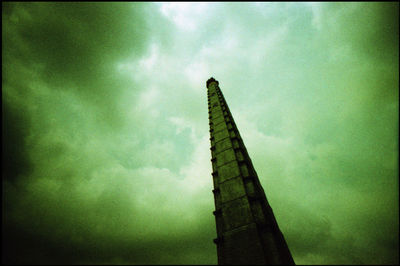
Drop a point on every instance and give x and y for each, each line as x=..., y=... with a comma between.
x=247, y=232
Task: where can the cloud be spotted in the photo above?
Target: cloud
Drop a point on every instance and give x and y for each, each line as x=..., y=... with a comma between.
x=185, y=15
x=72, y=48
x=15, y=129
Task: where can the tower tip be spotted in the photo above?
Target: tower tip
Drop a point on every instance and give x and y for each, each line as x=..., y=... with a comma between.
x=212, y=79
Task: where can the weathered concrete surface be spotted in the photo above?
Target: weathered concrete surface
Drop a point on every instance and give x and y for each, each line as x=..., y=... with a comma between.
x=247, y=232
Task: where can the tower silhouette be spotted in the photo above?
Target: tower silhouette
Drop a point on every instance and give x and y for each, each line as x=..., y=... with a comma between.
x=247, y=232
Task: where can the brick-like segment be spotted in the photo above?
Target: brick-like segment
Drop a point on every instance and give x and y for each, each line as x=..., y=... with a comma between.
x=232, y=189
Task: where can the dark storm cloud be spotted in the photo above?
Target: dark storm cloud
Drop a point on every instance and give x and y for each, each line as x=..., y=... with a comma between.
x=63, y=47
x=376, y=33
x=74, y=40
x=15, y=151
x=74, y=46
x=67, y=228
x=66, y=46
x=39, y=249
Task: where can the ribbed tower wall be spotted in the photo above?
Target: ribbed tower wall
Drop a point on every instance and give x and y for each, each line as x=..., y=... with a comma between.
x=247, y=232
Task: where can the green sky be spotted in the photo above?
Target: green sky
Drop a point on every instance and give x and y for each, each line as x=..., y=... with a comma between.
x=105, y=140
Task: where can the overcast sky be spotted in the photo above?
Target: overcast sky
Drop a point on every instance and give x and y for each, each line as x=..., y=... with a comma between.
x=105, y=137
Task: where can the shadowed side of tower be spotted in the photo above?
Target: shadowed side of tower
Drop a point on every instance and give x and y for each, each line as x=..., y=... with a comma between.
x=247, y=232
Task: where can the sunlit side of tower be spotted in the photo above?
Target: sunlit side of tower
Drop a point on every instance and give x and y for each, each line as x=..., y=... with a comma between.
x=247, y=232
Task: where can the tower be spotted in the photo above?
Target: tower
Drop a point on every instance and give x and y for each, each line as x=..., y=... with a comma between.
x=247, y=232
